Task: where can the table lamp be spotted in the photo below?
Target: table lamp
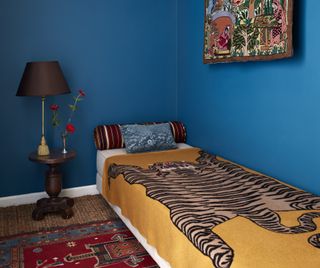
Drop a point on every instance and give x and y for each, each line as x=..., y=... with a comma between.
x=43, y=78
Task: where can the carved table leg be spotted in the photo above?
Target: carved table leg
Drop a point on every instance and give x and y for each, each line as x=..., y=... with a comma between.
x=53, y=181
x=54, y=203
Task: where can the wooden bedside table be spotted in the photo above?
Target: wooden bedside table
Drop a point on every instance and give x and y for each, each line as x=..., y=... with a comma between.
x=54, y=203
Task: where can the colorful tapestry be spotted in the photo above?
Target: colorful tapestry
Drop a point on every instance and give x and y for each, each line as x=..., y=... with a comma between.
x=104, y=244
x=247, y=30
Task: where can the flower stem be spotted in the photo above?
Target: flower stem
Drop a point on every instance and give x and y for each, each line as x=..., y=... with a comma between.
x=74, y=108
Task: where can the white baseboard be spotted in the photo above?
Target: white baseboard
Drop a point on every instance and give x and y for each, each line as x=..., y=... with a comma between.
x=23, y=199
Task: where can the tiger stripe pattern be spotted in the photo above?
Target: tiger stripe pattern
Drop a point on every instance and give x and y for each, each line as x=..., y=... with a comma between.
x=209, y=192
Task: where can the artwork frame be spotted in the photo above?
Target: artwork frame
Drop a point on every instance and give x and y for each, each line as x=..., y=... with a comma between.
x=247, y=30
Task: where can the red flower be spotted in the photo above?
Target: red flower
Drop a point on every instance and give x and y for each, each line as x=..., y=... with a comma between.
x=237, y=2
x=82, y=93
x=70, y=128
x=54, y=107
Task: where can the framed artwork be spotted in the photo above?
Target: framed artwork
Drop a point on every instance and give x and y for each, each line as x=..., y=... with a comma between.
x=247, y=30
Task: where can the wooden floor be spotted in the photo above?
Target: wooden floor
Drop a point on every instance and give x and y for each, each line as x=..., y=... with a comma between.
x=17, y=219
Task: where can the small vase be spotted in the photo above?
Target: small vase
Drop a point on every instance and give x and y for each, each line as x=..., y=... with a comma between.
x=64, y=143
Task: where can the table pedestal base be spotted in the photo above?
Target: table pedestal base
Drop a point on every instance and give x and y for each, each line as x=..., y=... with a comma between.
x=62, y=205
x=53, y=203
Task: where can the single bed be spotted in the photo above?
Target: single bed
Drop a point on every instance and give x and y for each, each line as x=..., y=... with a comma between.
x=191, y=209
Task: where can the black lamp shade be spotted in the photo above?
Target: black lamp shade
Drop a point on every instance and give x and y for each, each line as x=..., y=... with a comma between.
x=42, y=79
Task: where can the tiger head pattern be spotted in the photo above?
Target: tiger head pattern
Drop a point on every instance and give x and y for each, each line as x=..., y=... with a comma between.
x=218, y=192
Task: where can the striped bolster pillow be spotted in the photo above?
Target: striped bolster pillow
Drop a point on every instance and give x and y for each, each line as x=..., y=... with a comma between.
x=109, y=136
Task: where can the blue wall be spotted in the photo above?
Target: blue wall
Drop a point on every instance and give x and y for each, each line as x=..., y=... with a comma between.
x=265, y=115
x=122, y=53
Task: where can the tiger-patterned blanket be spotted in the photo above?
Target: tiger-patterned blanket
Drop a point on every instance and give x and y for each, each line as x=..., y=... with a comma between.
x=203, y=194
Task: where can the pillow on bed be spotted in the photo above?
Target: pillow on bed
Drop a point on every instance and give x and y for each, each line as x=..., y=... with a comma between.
x=110, y=137
x=146, y=138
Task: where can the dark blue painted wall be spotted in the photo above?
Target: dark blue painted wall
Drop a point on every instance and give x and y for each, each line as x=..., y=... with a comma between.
x=265, y=115
x=122, y=53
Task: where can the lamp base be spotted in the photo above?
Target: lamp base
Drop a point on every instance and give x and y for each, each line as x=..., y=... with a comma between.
x=43, y=148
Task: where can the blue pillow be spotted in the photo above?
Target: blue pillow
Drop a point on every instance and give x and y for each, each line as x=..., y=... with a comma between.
x=146, y=138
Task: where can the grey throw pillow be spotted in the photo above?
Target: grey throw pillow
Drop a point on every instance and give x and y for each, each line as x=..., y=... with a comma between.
x=146, y=138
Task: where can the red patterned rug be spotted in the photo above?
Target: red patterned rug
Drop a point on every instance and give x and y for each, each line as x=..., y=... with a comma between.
x=101, y=244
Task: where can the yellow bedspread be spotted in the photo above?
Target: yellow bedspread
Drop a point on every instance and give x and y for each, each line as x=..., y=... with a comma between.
x=253, y=245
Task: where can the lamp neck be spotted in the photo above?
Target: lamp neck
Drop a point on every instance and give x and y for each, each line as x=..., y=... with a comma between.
x=42, y=125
